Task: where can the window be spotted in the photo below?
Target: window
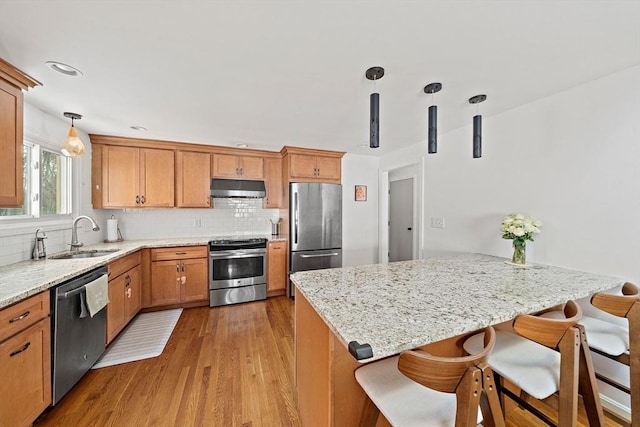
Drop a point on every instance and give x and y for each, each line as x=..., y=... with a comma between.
x=46, y=184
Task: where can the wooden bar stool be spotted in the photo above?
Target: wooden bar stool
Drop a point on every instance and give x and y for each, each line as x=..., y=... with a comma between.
x=419, y=389
x=617, y=342
x=547, y=356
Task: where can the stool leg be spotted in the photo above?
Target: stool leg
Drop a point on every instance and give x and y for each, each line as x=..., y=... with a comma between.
x=569, y=361
x=490, y=402
x=587, y=383
x=468, y=395
x=634, y=362
x=370, y=413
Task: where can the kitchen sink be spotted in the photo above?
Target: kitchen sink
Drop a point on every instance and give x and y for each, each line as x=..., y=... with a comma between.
x=83, y=254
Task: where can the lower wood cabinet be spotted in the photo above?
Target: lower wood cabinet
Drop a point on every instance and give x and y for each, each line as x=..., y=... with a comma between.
x=276, y=268
x=125, y=291
x=179, y=275
x=25, y=361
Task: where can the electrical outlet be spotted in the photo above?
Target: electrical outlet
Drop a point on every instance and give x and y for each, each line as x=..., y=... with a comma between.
x=437, y=222
x=198, y=223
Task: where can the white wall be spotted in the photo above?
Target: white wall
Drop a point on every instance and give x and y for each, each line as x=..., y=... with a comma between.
x=17, y=237
x=359, y=219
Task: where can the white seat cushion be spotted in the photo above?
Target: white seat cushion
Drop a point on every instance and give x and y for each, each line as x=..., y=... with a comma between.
x=532, y=367
x=403, y=402
x=605, y=336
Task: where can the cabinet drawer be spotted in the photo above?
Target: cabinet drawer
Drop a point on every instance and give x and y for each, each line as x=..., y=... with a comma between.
x=181, y=252
x=19, y=316
x=121, y=265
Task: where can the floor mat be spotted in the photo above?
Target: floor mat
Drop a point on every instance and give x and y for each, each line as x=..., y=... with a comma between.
x=145, y=337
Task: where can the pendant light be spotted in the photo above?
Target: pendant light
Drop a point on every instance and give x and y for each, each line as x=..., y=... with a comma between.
x=374, y=73
x=477, y=127
x=72, y=146
x=432, y=136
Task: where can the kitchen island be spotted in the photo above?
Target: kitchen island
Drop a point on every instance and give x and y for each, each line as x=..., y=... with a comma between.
x=404, y=305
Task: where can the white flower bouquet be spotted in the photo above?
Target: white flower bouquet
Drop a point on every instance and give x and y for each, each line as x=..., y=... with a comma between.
x=519, y=228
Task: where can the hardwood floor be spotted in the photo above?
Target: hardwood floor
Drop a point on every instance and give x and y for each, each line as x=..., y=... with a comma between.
x=227, y=366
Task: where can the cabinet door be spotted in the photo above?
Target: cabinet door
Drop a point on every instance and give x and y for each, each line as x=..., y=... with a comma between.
x=116, y=316
x=277, y=267
x=165, y=282
x=328, y=168
x=193, y=179
x=195, y=285
x=273, y=183
x=25, y=363
x=157, y=178
x=302, y=166
x=251, y=167
x=11, y=193
x=225, y=166
x=132, y=293
x=120, y=178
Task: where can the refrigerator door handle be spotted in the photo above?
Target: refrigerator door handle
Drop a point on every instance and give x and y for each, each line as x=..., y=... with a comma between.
x=319, y=255
x=295, y=217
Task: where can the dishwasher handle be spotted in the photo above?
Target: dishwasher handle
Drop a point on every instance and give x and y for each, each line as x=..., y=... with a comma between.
x=72, y=293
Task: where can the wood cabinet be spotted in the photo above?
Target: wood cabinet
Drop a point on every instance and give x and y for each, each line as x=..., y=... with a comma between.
x=131, y=177
x=237, y=166
x=125, y=293
x=25, y=360
x=273, y=182
x=276, y=268
x=308, y=165
x=193, y=179
x=12, y=83
x=179, y=275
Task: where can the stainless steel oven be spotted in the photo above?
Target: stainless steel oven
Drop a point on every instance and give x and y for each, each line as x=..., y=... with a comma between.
x=237, y=271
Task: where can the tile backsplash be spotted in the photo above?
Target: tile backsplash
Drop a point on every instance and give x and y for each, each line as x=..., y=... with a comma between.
x=228, y=217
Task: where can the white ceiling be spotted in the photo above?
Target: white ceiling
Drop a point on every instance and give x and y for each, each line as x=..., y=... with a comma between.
x=274, y=73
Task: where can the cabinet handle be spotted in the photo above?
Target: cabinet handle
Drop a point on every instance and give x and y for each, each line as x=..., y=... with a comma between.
x=177, y=268
x=241, y=171
x=182, y=267
x=276, y=247
x=181, y=253
x=237, y=171
x=127, y=280
x=208, y=201
x=22, y=316
x=143, y=199
x=137, y=200
x=20, y=350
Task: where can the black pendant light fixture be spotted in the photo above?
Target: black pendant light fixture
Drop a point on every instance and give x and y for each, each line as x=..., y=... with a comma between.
x=374, y=73
x=432, y=137
x=477, y=127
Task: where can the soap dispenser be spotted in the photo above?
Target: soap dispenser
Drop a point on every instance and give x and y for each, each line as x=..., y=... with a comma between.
x=39, y=251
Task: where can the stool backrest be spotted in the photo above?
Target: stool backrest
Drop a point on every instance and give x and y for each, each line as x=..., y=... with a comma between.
x=443, y=373
x=618, y=305
x=548, y=331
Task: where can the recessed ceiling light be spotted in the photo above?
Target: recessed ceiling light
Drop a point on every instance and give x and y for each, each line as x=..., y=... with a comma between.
x=242, y=145
x=64, y=68
x=140, y=128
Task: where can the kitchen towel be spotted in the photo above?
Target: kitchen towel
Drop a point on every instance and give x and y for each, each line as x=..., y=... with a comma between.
x=97, y=294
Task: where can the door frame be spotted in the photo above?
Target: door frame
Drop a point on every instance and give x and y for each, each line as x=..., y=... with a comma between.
x=412, y=170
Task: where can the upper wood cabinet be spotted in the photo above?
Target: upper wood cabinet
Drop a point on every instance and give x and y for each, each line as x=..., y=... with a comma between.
x=273, y=182
x=12, y=83
x=131, y=177
x=193, y=179
x=237, y=166
x=309, y=165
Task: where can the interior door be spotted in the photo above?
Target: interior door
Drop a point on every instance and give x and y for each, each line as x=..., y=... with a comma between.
x=401, y=220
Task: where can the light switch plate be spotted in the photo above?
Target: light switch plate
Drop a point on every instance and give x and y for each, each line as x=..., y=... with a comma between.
x=437, y=222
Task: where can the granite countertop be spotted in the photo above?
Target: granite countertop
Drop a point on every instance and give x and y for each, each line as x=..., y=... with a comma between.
x=403, y=305
x=23, y=279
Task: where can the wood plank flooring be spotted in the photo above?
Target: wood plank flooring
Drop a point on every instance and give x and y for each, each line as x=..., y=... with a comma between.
x=227, y=366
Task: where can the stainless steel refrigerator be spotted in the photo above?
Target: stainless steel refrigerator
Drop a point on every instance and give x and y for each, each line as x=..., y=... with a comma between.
x=315, y=226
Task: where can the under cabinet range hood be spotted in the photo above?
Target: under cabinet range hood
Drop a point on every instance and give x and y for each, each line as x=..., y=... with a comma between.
x=240, y=188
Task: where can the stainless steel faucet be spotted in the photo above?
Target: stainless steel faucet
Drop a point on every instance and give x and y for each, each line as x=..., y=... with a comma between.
x=39, y=251
x=75, y=245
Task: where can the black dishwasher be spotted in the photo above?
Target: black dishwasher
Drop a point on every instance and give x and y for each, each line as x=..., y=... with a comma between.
x=77, y=341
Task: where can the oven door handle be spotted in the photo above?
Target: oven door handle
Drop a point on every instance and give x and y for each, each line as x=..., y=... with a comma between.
x=319, y=255
x=231, y=255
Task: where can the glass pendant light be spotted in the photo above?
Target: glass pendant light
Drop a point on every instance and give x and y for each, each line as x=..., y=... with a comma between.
x=73, y=146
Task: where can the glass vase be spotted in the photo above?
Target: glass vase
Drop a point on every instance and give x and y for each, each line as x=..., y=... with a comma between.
x=519, y=253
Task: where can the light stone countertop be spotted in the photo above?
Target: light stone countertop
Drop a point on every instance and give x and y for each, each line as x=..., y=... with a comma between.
x=24, y=279
x=404, y=305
